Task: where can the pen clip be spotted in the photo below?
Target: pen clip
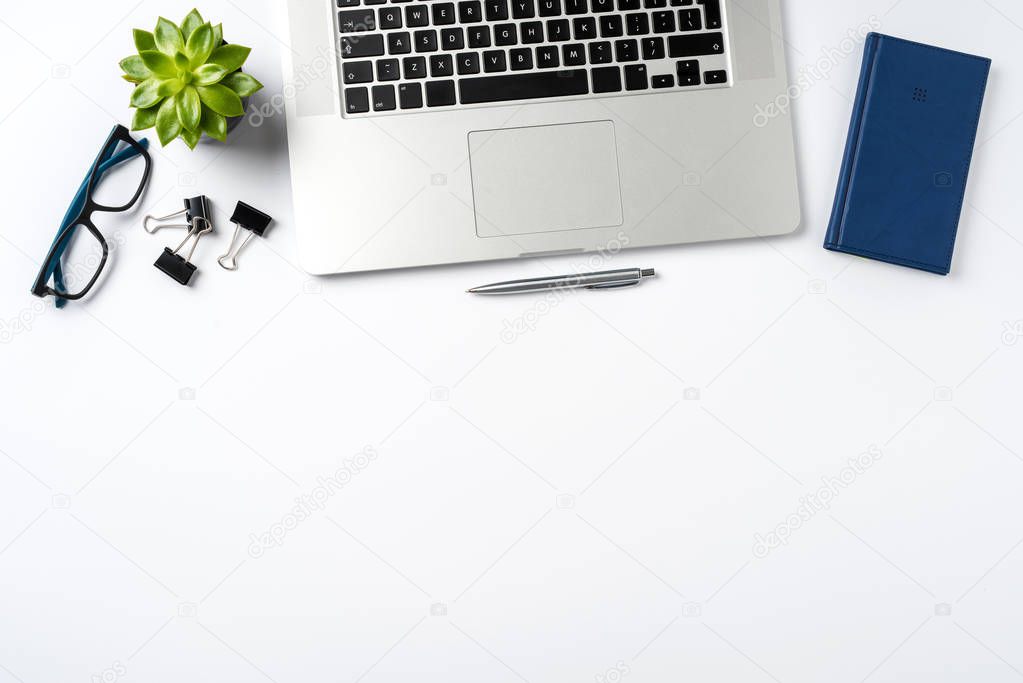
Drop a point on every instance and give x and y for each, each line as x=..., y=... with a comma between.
x=614, y=285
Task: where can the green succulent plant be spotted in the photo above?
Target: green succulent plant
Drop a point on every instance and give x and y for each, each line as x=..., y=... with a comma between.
x=188, y=81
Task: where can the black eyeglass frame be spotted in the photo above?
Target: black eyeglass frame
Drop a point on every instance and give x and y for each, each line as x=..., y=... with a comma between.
x=118, y=135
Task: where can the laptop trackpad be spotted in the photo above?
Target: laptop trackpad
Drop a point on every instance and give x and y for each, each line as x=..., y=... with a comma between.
x=545, y=178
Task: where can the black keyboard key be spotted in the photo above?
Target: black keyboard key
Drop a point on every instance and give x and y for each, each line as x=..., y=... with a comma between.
x=637, y=24
x=600, y=53
x=688, y=79
x=635, y=77
x=505, y=34
x=575, y=7
x=479, y=36
x=356, y=21
x=496, y=10
x=440, y=93
x=573, y=55
x=414, y=67
x=689, y=20
x=389, y=17
x=525, y=86
x=532, y=32
x=611, y=26
x=653, y=48
x=387, y=70
x=715, y=77
x=695, y=45
x=441, y=66
x=599, y=6
x=493, y=60
x=443, y=13
x=376, y=2
x=558, y=30
x=664, y=22
x=416, y=16
x=468, y=63
x=628, y=5
x=689, y=66
x=523, y=9
x=410, y=96
x=426, y=41
x=521, y=59
x=347, y=3
x=362, y=46
x=550, y=8
x=626, y=50
x=585, y=28
x=547, y=57
x=383, y=98
x=399, y=43
x=452, y=39
x=470, y=12
x=357, y=72
x=664, y=81
x=655, y=4
x=712, y=10
x=607, y=79
x=356, y=100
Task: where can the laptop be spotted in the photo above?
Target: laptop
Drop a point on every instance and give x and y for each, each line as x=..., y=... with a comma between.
x=426, y=132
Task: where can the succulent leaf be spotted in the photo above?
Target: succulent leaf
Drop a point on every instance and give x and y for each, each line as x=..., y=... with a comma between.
x=181, y=63
x=231, y=57
x=170, y=87
x=168, y=126
x=242, y=83
x=214, y=124
x=135, y=68
x=144, y=118
x=200, y=46
x=209, y=74
x=189, y=108
x=191, y=137
x=192, y=21
x=160, y=64
x=218, y=35
x=144, y=40
x=221, y=99
x=168, y=38
x=146, y=94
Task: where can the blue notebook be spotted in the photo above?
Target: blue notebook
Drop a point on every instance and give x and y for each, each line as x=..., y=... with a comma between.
x=914, y=124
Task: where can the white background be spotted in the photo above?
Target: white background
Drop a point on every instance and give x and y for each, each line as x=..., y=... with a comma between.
x=541, y=506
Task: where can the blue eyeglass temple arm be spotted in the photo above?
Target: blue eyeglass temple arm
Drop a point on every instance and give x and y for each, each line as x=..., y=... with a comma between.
x=108, y=160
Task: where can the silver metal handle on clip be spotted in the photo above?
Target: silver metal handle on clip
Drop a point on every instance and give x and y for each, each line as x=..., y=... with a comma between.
x=161, y=222
x=229, y=261
x=194, y=234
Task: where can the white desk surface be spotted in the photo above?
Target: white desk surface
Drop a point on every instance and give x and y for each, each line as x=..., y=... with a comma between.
x=563, y=504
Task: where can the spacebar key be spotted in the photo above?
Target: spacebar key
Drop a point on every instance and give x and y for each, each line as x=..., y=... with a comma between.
x=527, y=86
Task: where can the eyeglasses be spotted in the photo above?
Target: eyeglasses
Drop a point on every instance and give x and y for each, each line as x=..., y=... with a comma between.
x=100, y=192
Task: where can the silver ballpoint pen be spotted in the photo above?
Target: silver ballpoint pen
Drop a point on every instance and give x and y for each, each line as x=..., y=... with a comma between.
x=608, y=279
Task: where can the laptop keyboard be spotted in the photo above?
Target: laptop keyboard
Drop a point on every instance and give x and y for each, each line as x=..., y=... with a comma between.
x=403, y=56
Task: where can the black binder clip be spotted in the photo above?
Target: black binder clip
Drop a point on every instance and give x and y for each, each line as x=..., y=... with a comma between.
x=253, y=222
x=194, y=207
x=176, y=266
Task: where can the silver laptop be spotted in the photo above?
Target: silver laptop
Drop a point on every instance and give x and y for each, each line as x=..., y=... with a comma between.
x=426, y=132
